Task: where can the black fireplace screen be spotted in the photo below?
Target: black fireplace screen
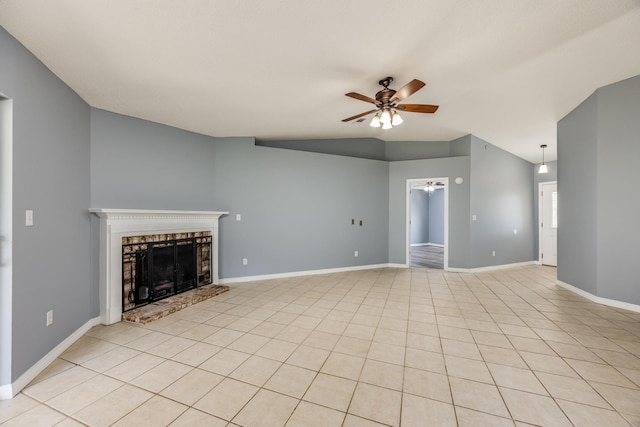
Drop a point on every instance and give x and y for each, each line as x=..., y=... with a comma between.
x=158, y=266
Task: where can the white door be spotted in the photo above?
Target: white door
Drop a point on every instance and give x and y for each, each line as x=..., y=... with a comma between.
x=548, y=223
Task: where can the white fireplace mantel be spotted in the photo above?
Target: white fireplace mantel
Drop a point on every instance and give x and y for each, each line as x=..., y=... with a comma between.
x=118, y=223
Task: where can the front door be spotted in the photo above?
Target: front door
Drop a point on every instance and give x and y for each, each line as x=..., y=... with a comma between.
x=549, y=223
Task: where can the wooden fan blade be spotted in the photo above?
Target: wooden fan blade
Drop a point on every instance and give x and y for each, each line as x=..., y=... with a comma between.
x=359, y=115
x=362, y=97
x=417, y=108
x=407, y=90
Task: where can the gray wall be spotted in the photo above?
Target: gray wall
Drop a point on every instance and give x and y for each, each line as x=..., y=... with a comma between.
x=366, y=148
x=502, y=200
x=419, y=217
x=51, y=264
x=598, y=152
x=578, y=197
x=552, y=175
x=618, y=199
x=436, y=216
x=297, y=208
x=451, y=167
x=415, y=150
x=146, y=165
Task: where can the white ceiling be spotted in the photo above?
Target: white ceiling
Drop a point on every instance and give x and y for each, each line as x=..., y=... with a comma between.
x=503, y=70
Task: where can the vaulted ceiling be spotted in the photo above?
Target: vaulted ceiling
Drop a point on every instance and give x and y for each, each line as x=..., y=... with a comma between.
x=503, y=70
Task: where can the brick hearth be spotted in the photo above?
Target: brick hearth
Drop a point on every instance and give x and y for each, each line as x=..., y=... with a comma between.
x=165, y=307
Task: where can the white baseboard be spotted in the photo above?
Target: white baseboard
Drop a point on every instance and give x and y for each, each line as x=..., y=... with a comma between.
x=231, y=280
x=394, y=265
x=224, y=281
x=489, y=268
x=599, y=300
x=8, y=391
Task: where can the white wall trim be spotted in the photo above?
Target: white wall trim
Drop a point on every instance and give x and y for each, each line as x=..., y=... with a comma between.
x=6, y=240
x=307, y=273
x=8, y=391
x=599, y=300
x=489, y=268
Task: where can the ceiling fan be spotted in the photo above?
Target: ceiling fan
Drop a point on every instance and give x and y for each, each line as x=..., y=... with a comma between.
x=387, y=106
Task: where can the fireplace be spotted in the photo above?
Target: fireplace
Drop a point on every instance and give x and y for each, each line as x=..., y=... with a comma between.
x=167, y=252
x=157, y=266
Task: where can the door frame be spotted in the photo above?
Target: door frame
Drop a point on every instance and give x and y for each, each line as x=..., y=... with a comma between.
x=6, y=245
x=540, y=216
x=410, y=182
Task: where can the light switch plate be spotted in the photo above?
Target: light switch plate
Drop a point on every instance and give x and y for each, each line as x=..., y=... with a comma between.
x=28, y=218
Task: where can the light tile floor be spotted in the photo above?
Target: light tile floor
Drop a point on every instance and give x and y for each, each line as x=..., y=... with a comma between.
x=410, y=347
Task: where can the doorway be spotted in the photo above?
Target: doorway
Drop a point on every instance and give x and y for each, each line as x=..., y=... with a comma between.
x=427, y=205
x=548, y=223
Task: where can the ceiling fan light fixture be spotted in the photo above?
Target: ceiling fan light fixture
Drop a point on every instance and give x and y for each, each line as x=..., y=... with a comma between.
x=385, y=117
x=396, y=119
x=375, y=122
x=386, y=104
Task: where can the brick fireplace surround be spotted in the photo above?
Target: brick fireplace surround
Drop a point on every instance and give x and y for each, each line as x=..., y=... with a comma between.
x=118, y=223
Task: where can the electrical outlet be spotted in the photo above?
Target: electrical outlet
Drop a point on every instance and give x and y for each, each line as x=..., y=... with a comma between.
x=238, y=217
x=49, y=317
x=493, y=253
x=245, y=261
x=28, y=218
x=355, y=253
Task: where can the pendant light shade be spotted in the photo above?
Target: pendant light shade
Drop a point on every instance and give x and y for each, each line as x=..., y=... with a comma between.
x=396, y=119
x=375, y=122
x=385, y=117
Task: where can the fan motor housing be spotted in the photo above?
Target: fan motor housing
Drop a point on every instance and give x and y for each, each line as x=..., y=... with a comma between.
x=385, y=95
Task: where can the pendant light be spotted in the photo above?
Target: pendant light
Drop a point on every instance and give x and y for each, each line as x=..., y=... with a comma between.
x=543, y=167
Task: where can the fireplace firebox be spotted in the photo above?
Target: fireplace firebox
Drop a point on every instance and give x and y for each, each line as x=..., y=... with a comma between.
x=158, y=266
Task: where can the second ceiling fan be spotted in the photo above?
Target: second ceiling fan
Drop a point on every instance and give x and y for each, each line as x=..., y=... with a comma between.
x=387, y=103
